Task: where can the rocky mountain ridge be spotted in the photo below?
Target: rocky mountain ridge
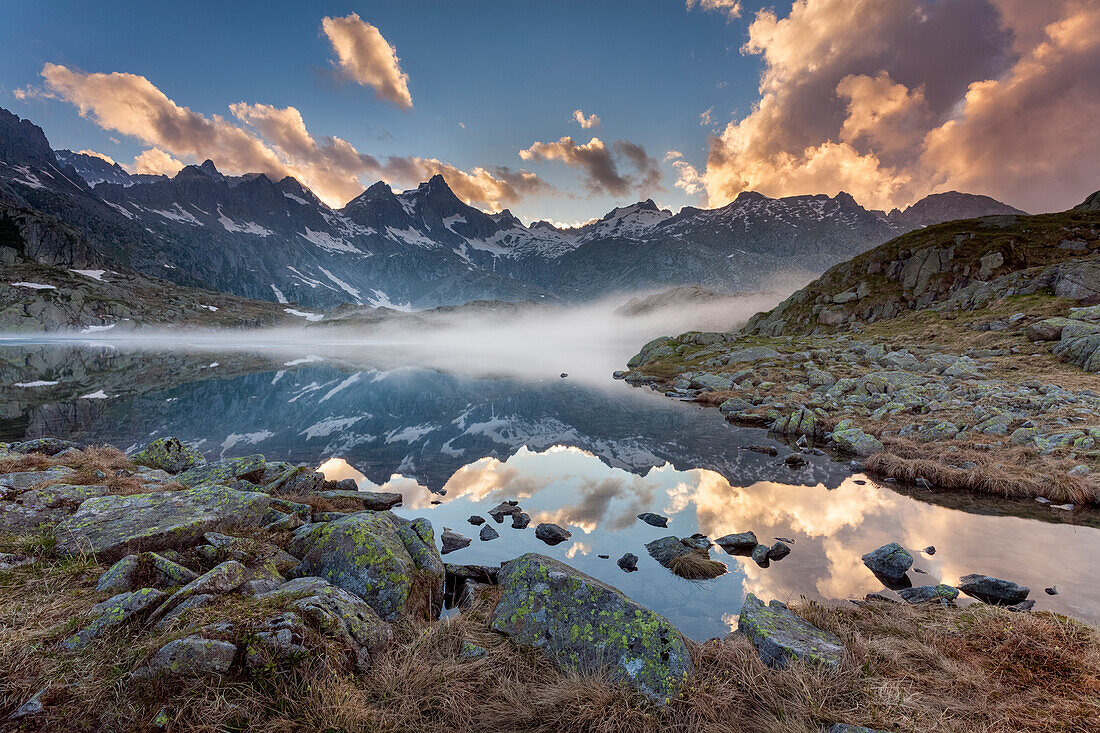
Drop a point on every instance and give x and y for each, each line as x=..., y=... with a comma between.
x=274, y=240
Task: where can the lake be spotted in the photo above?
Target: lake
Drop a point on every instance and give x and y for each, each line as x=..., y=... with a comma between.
x=584, y=451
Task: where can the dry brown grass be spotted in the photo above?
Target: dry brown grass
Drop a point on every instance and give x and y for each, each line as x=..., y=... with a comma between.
x=318, y=503
x=696, y=565
x=908, y=669
x=100, y=465
x=1014, y=472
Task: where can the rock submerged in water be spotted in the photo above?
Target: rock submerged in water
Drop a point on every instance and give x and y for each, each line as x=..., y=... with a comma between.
x=739, y=543
x=654, y=520
x=890, y=561
x=552, y=534
x=453, y=541
x=583, y=625
x=993, y=590
x=781, y=637
x=488, y=533
x=929, y=594
x=628, y=562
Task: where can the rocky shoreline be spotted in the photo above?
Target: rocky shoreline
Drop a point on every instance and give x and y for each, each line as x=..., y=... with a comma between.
x=159, y=567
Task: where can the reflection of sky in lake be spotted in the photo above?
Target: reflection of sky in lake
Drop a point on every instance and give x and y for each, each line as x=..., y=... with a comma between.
x=831, y=529
x=587, y=453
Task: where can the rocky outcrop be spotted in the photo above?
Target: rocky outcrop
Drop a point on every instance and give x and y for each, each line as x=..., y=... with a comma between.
x=890, y=561
x=583, y=625
x=168, y=454
x=993, y=590
x=112, y=526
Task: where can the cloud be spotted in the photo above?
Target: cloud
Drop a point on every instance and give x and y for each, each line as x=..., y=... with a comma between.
x=893, y=100
x=599, y=164
x=365, y=57
x=155, y=162
x=732, y=8
x=94, y=154
x=706, y=117
x=586, y=122
x=264, y=139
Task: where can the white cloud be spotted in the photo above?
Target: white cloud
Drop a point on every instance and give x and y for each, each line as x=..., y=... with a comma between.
x=586, y=122
x=732, y=8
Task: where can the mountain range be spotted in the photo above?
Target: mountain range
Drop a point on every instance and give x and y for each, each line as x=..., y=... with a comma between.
x=275, y=240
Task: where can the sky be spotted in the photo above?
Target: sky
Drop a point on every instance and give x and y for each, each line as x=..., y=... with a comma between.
x=562, y=110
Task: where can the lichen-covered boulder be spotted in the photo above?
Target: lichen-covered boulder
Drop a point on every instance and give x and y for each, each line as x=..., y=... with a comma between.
x=377, y=556
x=337, y=614
x=168, y=454
x=45, y=446
x=781, y=637
x=193, y=656
x=375, y=501
x=941, y=593
x=852, y=440
x=113, y=526
x=114, y=612
x=149, y=569
x=27, y=479
x=890, y=561
x=582, y=624
x=247, y=468
x=220, y=579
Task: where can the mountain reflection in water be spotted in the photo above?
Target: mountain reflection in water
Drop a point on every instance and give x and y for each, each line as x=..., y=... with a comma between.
x=589, y=454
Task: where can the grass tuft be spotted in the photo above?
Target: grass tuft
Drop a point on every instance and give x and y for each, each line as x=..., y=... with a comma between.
x=696, y=565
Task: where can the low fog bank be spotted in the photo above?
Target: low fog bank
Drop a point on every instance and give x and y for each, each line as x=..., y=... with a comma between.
x=523, y=341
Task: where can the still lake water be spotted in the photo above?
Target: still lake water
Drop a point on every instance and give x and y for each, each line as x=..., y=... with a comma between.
x=586, y=452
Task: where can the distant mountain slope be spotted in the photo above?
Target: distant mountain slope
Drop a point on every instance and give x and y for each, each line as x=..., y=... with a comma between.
x=955, y=265
x=275, y=240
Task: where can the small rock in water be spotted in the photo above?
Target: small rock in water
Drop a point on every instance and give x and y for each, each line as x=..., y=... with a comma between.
x=551, y=533
x=604, y=557
x=741, y=542
x=788, y=540
x=778, y=551
x=564, y=375
x=760, y=555
x=1022, y=606
x=930, y=550
x=654, y=520
x=768, y=450
x=1042, y=499
x=521, y=520
x=794, y=460
x=923, y=482
x=476, y=520
x=628, y=562
x=1063, y=507
x=890, y=561
x=697, y=542
x=488, y=533
x=454, y=541
x=1051, y=591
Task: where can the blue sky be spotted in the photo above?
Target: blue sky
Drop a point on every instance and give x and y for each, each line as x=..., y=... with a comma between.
x=511, y=72
x=888, y=100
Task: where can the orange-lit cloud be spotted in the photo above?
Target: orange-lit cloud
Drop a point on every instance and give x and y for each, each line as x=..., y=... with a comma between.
x=94, y=154
x=268, y=139
x=155, y=161
x=365, y=57
x=893, y=100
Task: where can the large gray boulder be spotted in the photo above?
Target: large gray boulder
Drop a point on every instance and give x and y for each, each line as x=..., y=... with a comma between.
x=582, y=624
x=148, y=568
x=781, y=637
x=116, y=611
x=113, y=526
x=193, y=656
x=389, y=562
x=993, y=590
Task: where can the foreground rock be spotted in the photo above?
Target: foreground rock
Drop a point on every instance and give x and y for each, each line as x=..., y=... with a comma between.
x=193, y=656
x=581, y=624
x=387, y=561
x=993, y=590
x=112, y=526
x=781, y=637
